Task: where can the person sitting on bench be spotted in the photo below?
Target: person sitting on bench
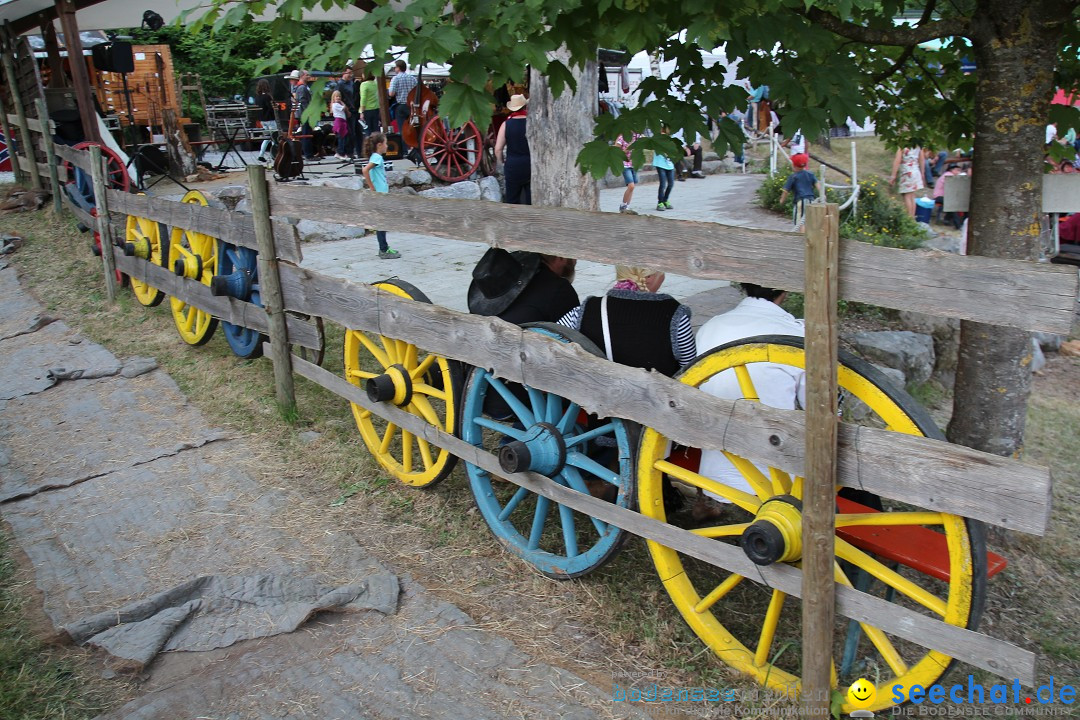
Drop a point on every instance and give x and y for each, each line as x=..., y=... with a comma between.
x=778, y=386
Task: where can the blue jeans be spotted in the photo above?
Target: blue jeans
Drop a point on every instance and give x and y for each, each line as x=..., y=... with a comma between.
x=629, y=175
x=667, y=180
x=380, y=235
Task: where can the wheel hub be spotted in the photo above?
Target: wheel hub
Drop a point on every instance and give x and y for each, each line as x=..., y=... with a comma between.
x=543, y=450
x=236, y=284
x=140, y=248
x=394, y=386
x=191, y=267
x=776, y=533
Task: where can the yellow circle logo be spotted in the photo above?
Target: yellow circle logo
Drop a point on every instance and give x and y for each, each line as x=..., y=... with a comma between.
x=861, y=693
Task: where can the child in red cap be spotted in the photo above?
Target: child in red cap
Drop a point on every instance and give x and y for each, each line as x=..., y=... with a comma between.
x=803, y=185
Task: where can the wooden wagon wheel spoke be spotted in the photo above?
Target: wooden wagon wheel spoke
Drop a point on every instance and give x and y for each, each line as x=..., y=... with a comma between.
x=541, y=432
x=423, y=384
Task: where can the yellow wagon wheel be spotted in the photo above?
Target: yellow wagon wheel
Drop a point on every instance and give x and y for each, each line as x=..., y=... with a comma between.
x=149, y=240
x=754, y=628
x=195, y=256
x=418, y=382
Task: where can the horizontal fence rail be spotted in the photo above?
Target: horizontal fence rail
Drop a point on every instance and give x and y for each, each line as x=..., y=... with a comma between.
x=231, y=227
x=935, y=474
x=231, y=310
x=1015, y=293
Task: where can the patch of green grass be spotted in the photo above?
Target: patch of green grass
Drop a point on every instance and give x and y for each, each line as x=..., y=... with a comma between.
x=37, y=681
x=928, y=393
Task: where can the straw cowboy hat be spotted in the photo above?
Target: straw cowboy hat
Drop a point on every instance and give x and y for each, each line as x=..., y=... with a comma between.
x=499, y=278
x=517, y=102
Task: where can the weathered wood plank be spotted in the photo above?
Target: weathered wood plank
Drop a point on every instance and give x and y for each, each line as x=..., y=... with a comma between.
x=78, y=158
x=104, y=228
x=996, y=656
x=929, y=473
x=84, y=217
x=34, y=124
x=231, y=227
x=270, y=284
x=819, y=486
x=301, y=332
x=1035, y=296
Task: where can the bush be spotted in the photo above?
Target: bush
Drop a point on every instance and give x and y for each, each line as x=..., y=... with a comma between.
x=879, y=219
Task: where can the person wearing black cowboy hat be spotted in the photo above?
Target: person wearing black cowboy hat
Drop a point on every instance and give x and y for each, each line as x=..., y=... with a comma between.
x=522, y=286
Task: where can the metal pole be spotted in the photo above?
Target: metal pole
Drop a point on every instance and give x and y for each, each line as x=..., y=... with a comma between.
x=854, y=177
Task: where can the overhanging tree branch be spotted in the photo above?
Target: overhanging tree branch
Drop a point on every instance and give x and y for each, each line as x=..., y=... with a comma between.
x=901, y=35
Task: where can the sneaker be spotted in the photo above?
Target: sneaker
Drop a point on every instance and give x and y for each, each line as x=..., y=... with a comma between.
x=389, y=254
x=661, y=206
x=697, y=174
x=261, y=159
x=626, y=210
x=667, y=206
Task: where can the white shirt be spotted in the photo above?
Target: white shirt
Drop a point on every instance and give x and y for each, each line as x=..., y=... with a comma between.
x=777, y=385
x=798, y=142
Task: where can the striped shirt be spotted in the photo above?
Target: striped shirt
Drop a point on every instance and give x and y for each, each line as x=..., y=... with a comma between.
x=683, y=344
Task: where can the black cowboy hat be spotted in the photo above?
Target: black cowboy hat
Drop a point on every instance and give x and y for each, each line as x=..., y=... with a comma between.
x=499, y=278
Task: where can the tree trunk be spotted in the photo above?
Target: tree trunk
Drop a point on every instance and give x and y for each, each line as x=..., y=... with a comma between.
x=557, y=130
x=1015, y=44
x=181, y=156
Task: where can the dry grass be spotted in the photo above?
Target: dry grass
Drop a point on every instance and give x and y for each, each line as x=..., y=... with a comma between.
x=617, y=620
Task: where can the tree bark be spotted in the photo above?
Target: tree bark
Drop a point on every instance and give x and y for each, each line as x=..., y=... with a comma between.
x=557, y=130
x=1015, y=44
x=181, y=156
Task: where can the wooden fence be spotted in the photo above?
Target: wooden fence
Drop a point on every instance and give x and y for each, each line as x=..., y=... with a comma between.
x=925, y=472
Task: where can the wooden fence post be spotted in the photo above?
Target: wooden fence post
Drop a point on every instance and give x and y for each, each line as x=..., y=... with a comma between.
x=50, y=155
x=25, y=143
x=819, y=489
x=104, y=227
x=270, y=283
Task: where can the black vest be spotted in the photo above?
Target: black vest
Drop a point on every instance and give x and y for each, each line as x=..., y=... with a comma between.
x=640, y=326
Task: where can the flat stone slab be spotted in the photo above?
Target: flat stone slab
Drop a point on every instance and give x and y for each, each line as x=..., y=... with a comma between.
x=18, y=310
x=93, y=427
x=111, y=540
x=25, y=360
x=427, y=661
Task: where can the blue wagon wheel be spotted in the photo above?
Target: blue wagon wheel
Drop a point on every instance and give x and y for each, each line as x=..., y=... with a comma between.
x=545, y=433
x=238, y=277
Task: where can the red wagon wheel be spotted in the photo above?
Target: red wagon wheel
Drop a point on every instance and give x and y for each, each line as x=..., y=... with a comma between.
x=116, y=176
x=451, y=154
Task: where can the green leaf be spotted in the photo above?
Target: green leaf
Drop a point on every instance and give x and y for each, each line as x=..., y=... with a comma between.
x=597, y=157
x=461, y=103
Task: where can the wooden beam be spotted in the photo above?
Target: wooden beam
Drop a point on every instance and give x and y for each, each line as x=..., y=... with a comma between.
x=996, y=656
x=52, y=51
x=25, y=141
x=300, y=332
x=271, y=288
x=1034, y=296
x=819, y=485
x=78, y=158
x=65, y=10
x=84, y=217
x=231, y=227
x=47, y=145
x=97, y=171
x=930, y=473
